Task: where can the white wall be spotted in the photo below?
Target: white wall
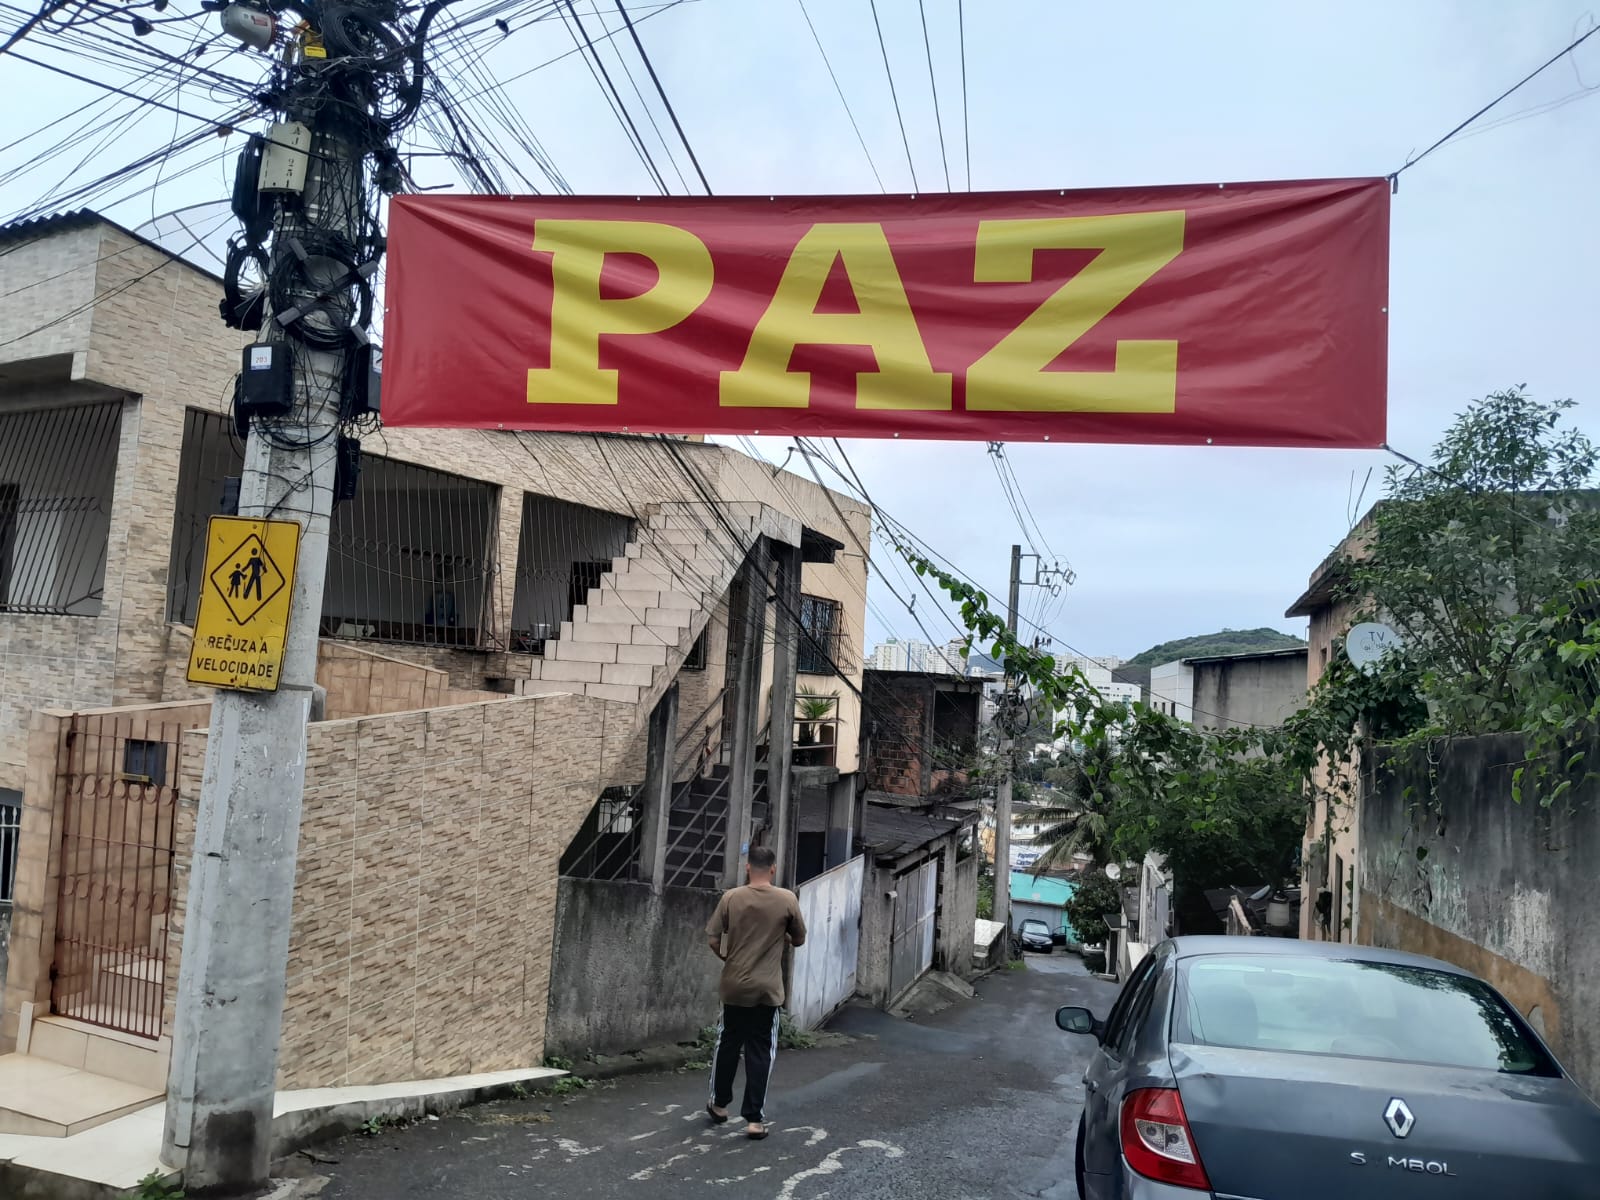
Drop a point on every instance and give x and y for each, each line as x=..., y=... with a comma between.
x=1172, y=690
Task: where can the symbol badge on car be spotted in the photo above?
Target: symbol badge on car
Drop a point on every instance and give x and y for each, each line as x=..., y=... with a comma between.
x=1398, y=1117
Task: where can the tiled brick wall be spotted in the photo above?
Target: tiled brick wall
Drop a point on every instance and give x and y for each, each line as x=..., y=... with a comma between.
x=426, y=883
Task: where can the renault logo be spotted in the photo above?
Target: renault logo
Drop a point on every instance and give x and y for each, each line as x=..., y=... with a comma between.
x=1398, y=1117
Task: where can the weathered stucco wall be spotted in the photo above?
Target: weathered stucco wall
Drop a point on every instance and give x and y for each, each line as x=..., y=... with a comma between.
x=1245, y=691
x=1455, y=869
x=631, y=969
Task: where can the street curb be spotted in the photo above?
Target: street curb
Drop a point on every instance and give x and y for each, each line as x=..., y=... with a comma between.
x=673, y=1057
x=640, y=1062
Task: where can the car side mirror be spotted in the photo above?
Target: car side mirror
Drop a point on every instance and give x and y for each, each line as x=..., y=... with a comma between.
x=1077, y=1020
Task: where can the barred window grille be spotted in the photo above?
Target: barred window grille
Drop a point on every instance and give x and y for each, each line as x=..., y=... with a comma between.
x=821, y=628
x=58, y=467
x=10, y=837
x=410, y=559
x=563, y=551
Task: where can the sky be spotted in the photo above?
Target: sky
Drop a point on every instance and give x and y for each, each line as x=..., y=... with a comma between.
x=1495, y=247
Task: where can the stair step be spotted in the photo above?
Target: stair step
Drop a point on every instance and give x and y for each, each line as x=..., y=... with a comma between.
x=43, y=1098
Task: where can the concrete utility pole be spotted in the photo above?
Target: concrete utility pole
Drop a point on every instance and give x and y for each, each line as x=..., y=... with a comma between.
x=1002, y=802
x=236, y=931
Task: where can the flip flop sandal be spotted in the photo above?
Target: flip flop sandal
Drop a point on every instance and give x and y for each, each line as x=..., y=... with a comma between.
x=756, y=1137
x=712, y=1113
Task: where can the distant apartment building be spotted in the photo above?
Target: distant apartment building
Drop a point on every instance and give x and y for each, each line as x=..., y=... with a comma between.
x=895, y=655
x=1232, y=691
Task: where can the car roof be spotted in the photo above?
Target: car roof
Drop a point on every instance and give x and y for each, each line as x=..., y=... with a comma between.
x=1201, y=945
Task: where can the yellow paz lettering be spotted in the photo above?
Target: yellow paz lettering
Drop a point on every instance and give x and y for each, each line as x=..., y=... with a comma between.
x=580, y=316
x=905, y=379
x=1012, y=377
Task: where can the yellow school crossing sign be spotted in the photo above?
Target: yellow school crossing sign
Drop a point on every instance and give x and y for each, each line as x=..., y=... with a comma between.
x=244, y=603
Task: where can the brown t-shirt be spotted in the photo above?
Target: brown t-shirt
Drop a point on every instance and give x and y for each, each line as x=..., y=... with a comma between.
x=755, y=920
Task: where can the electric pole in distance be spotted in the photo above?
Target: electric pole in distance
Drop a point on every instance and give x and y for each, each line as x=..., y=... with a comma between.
x=1002, y=802
x=347, y=80
x=1014, y=721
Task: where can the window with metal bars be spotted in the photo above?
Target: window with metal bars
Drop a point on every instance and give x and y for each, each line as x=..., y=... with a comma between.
x=410, y=559
x=10, y=837
x=821, y=629
x=58, y=467
x=562, y=553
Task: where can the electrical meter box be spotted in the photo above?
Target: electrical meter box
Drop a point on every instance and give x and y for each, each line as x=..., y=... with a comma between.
x=284, y=158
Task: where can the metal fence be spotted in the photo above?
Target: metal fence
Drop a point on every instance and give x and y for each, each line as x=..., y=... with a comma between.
x=563, y=552
x=58, y=468
x=117, y=833
x=411, y=559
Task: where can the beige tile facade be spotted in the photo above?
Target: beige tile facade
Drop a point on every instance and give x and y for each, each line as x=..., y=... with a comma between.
x=154, y=337
x=425, y=885
x=436, y=810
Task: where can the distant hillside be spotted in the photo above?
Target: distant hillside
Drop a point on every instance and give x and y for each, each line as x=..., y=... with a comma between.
x=1228, y=641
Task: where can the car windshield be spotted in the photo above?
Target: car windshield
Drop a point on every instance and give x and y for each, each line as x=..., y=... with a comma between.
x=1035, y=927
x=1352, y=1008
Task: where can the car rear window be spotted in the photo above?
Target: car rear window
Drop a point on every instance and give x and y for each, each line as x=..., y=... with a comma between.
x=1354, y=1009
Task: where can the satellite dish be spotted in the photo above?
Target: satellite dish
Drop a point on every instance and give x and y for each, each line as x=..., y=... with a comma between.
x=1370, y=643
x=1113, y=870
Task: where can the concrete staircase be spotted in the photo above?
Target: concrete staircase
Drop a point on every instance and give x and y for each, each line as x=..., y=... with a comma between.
x=628, y=642
x=69, y=1076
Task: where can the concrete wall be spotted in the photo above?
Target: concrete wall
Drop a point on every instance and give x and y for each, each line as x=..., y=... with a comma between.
x=630, y=968
x=1241, y=692
x=958, y=913
x=1504, y=890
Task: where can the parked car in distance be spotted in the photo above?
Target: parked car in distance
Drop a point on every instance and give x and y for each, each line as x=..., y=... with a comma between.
x=1268, y=1067
x=1035, y=935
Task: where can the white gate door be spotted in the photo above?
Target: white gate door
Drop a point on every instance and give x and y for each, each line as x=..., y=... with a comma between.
x=912, y=932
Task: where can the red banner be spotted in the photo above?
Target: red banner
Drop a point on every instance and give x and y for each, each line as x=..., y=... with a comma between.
x=1246, y=314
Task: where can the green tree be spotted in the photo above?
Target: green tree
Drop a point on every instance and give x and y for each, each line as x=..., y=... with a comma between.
x=1461, y=553
x=1076, y=808
x=1096, y=897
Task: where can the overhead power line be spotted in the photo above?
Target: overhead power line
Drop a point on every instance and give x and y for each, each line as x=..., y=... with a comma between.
x=1394, y=177
x=933, y=83
x=848, y=111
x=662, y=92
x=894, y=95
x=966, y=135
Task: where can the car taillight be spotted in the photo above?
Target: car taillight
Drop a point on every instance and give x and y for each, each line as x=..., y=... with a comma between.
x=1156, y=1139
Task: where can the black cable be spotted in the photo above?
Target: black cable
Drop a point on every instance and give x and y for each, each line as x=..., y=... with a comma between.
x=848, y=111
x=656, y=79
x=1394, y=176
x=966, y=135
x=619, y=106
x=895, y=96
x=111, y=87
x=933, y=83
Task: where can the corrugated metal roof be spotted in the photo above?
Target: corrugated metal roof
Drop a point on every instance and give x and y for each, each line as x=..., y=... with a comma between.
x=893, y=832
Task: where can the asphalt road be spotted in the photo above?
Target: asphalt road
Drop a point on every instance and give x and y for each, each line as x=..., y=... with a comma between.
x=976, y=1102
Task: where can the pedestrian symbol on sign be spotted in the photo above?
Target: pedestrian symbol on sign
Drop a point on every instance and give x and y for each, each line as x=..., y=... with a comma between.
x=247, y=579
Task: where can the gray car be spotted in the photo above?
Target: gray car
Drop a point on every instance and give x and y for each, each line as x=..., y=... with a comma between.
x=1273, y=1069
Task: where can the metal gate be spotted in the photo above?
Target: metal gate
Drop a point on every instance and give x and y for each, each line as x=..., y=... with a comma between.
x=916, y=902
x=117, y=816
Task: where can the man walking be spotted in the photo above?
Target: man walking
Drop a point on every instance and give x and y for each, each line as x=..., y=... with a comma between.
x=748, y=932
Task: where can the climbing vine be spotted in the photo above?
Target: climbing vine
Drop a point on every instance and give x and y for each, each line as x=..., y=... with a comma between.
x=1472, y=560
